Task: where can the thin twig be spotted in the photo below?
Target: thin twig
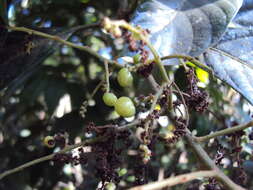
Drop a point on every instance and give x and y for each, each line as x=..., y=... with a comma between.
x=49, y=157
x=87, y=26
x=107, y=75
x=190, y=59
x=100, y=84
x=183, y=93
x=118, y=128
x=152, y=108
x=184, y=103
x=224, y=132
x=154, y=84
x=62, y=41
x=175, y=180
x=206, y=160
x=129, y=125
x=157, y=96
x=85, y=104
x=158, y=61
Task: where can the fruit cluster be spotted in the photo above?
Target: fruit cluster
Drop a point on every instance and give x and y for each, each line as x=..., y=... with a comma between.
x=124, y=106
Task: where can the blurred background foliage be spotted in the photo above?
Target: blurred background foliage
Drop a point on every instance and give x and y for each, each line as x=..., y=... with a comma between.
x=49, y=101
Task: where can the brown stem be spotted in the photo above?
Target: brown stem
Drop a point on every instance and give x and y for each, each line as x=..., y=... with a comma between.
x=175, y=180
x=224, y=132
x=154, y=84
x=62, y=41
x=49, y=157
x=189, y=58
x=206, y=160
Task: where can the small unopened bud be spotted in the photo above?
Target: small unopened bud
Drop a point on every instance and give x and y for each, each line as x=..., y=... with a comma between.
x=144, y=148
x=49, y=141
x=167, y=135
x=145, y=159
x=146, y=153
x=117, y=32
x=107, y=24
x=110, y=186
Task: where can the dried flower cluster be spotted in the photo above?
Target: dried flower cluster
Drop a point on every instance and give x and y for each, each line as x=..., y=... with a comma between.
x=197, y=99
x=236, y=139
x=178, y=131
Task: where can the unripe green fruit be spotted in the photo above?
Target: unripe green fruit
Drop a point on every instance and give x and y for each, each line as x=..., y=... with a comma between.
x=49, y=141
x=125, y=107
x=125, y=78
x=110, y=186
x=122, y=172
x=137, y=58
x=109, y=99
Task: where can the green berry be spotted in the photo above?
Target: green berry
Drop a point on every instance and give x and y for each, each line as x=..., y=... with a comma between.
x=137, y=58
x=131, y=178
x=122, y=172
x=110, y=186
x=125, y=78
x=49, y=141
x=125, y=107
x=109, y=99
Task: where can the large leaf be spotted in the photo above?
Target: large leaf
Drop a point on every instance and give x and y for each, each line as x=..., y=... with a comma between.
x=236, y=74
x=190, y=27
x=185, y=26
x=238, y=43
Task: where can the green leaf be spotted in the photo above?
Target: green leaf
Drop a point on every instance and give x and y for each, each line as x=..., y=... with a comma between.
x=3, y=11
x=232, y=59
x=185, y=27
x=191, y=27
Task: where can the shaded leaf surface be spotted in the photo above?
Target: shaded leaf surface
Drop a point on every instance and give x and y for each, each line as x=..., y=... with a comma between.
x=237, y=42
x=186, y=27
x=3, y=12
x=191, y=27
x=22, y=53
